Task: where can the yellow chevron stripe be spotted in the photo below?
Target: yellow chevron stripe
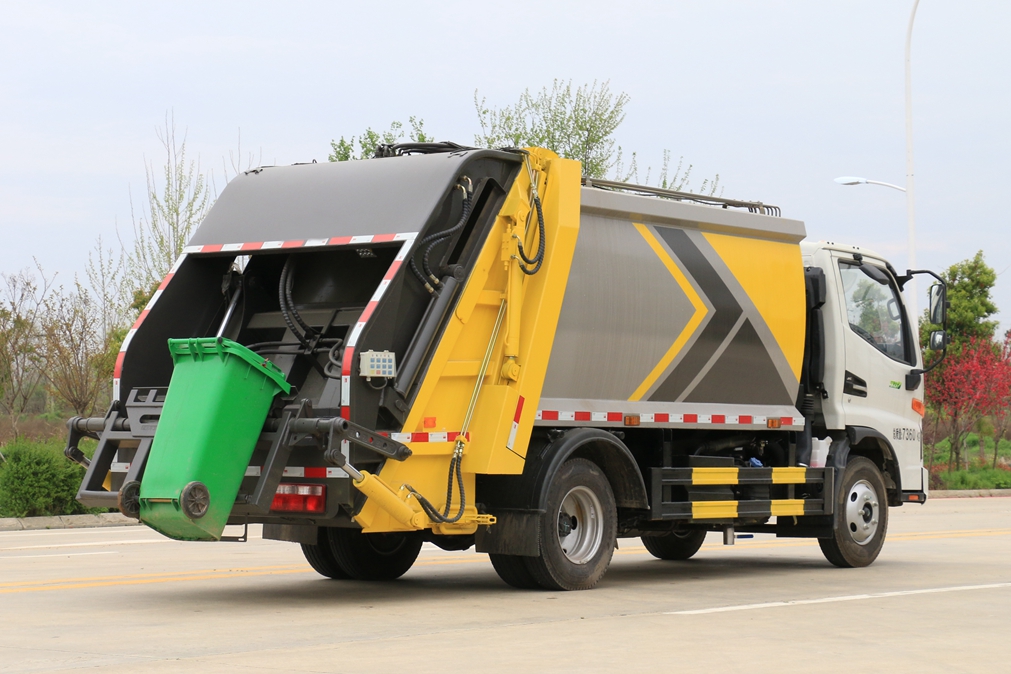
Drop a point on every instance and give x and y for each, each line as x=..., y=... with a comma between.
x=793, y=506
x=693, y=322
x=714, y=475
x=714, y=510
x=789, y=475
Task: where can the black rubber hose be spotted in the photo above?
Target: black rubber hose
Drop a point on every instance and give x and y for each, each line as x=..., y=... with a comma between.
x=284, y=306
x=432, y=239
x=538, y=259
x=288, y=282
x=443, y=518
x=464, y=216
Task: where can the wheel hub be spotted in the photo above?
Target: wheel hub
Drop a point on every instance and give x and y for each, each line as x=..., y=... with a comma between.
x=580, y=525
x=862, y=512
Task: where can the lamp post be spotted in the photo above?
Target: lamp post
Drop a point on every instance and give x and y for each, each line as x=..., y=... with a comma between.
x=909, y=189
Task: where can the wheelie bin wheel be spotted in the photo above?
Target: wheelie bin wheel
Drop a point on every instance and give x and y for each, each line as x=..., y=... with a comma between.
x=677, y=545
x=578, y=529
x=861, y=516
x=195, y=500
x=374, y=556
x=129, y=499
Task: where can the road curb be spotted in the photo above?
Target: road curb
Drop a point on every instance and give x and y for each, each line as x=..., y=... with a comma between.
x=65, y=522
x=968, y=493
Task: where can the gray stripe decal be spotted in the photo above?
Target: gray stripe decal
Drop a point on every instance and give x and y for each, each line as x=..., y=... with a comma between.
x=726, y=312
x=715, y=357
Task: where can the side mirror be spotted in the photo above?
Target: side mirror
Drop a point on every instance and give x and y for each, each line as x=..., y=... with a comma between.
x=938, y=339
x=938, y=308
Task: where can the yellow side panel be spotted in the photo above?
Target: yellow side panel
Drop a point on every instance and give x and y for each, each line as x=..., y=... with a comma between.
x=788, y=507
x=714, y=510
x=772, y=274
x=714, y=476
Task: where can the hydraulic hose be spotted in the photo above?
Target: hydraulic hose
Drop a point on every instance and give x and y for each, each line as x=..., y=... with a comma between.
x=282, y=300
x=428, y=278
x=288, y=278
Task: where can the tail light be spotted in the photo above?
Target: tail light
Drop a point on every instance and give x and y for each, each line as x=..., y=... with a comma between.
x=299, y=498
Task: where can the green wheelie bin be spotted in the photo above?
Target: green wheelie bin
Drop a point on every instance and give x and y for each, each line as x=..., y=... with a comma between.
x=217, y=401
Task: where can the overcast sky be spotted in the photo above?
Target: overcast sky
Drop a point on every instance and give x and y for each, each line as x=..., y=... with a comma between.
x=777, y=97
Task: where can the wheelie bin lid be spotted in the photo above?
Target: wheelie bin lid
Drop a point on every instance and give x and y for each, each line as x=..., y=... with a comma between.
x=198, y=348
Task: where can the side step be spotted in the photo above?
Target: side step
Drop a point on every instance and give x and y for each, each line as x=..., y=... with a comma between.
x=722, y=493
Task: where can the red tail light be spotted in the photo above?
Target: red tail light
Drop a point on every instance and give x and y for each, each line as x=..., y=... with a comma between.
x=300, y=498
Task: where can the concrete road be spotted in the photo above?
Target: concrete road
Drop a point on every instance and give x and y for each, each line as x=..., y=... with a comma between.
x=127, y=600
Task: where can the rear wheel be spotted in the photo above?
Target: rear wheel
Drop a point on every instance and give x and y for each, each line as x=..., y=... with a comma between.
x=677, y=545
x=374, y=556
x=321, y=557
x=512, y=569
x=578, y=529
x=861, y=516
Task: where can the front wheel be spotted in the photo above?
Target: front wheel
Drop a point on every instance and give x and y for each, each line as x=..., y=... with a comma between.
x=861, y=516
x=578, y=529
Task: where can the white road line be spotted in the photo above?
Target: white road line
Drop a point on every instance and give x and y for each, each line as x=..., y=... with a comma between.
x=59, y=554
x=88, y=545
x=829, y=600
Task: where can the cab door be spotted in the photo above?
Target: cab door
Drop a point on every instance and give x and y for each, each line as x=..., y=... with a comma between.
x=880, y=350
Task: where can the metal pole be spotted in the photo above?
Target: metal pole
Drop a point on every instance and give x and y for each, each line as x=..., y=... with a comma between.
x=914, y=299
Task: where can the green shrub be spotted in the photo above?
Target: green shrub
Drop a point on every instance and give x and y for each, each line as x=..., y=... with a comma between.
x=38, y=480
x=980, y=478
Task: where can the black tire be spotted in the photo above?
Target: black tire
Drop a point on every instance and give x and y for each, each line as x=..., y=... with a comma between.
x=321, y=557
x=677, y=545
x=575, y=563
x=513, y=570
x=374, y=556
x=861, y=516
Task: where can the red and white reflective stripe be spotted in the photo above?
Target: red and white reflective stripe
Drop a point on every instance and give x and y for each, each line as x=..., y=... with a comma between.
x=516, y=424
x=352, y=341
x=298, y=243
x=117, y=371
x=664, y=418
x=444, y=436
x=301, y=471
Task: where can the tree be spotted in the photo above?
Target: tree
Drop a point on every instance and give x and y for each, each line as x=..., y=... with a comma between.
x=364, y=146
x=999, y=395
x=177, y=200
x=72, y=343
x=22, y=302
x=580, y=125
x=969, y=285
x=961, y=391
x=576, y=124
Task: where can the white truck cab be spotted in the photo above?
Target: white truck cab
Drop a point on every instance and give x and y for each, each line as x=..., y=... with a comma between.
x=873, y=382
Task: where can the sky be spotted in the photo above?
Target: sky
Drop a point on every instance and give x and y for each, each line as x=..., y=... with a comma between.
x=776, y=97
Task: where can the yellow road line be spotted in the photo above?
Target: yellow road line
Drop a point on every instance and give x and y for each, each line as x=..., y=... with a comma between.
x=280, y=570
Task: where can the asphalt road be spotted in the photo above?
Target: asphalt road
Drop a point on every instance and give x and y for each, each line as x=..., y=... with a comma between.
x=127, y=600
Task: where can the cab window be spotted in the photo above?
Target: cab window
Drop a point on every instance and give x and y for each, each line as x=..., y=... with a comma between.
x=874, y=309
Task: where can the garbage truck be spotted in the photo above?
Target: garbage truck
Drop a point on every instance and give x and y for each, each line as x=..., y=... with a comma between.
x=483, y=348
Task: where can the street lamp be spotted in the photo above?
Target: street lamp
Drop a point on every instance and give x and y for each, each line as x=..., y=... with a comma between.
x=909, y=188
x=851, y=180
